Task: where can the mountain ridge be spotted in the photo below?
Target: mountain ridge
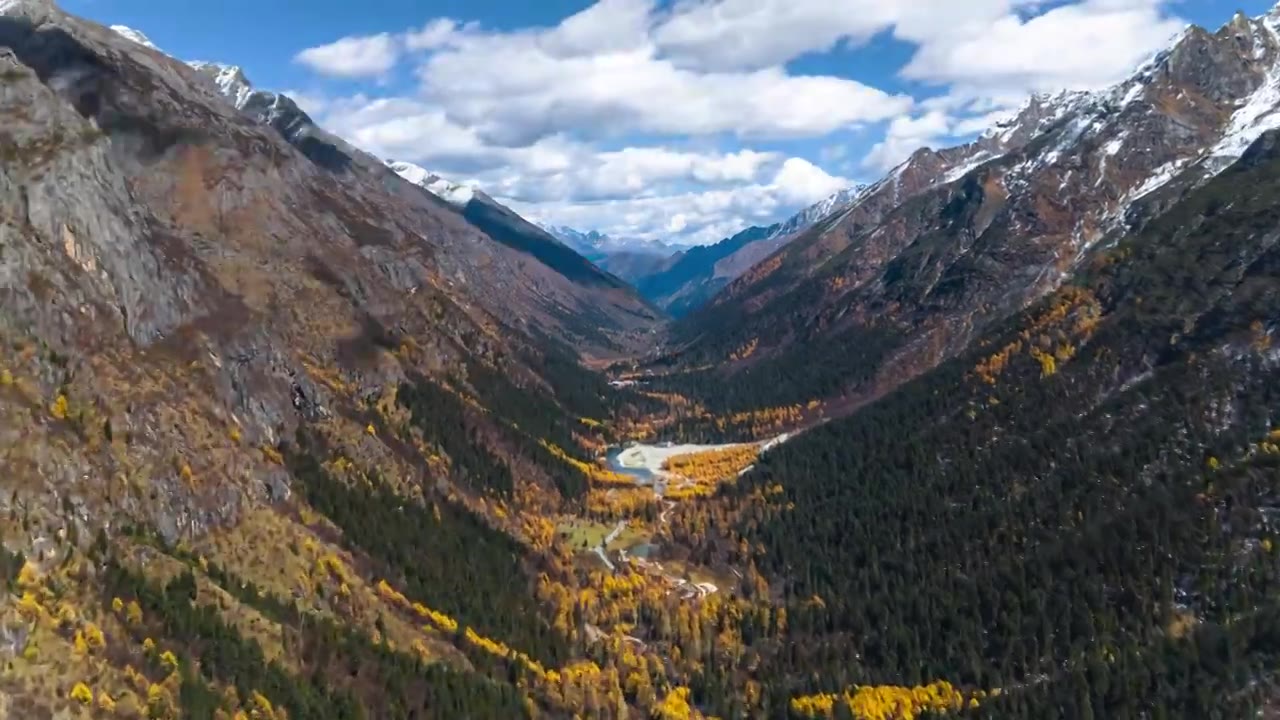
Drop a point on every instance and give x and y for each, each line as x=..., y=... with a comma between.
x=694, y=275
x=953, y=239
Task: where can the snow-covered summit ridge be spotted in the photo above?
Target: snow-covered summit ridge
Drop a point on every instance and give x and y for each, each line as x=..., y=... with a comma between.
x=229, y=79
x=456, y=194
x=137, y=36
x=28, y=8
x=810, y=216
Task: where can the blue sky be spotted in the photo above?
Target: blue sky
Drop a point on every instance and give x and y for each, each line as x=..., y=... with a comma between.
x=646, y=119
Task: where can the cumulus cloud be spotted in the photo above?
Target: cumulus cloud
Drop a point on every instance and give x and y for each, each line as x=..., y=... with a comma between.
x=353, y=57
x=905, y=135
x=695, y=216
x=587, y=122
x=1082, y=46
x=438, y=33
x=517, y=88
x=737, y=34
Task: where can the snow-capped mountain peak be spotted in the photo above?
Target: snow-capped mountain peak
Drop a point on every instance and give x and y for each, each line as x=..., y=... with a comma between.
x=577, y=238
x=135, y=35
x=809, y=216
x=457, y=194
x=229, y=79
x=593, y=244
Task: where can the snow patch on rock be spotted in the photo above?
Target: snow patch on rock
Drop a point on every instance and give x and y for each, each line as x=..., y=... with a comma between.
x=136, y=36
x=457, y=194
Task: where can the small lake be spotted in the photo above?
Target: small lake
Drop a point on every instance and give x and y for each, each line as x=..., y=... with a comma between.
x=643, y=475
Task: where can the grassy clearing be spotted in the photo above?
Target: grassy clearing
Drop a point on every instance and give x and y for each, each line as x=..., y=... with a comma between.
x=583, y=535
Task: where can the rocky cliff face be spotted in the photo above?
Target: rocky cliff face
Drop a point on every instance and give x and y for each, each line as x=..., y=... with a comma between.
x=176, y=267
x=953, y=240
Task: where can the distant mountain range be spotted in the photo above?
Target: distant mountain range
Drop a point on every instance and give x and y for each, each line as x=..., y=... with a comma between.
x=687, y=279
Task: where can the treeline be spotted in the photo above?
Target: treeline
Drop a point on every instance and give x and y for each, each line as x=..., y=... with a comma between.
x=444, y=555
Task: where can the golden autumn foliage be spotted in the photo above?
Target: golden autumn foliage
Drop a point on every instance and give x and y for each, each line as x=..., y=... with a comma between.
x=66, y=614
x=28, y=576
x=29, y=606
x=713, y=466
x=81, y=694
x=168, y=660
x=746, y=351
x=133, y=612
x=618, y=502
x=595, y=473
x=762, y=422
x=59, y=408
x=675, y=706
x=1048, y=365
x=262, y=707
x=1073, y=315
x=887, y=702
x=93, y=637
x=272, y=455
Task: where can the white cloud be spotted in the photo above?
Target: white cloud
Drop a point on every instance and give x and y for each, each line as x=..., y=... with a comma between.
x=800, y=182
x=737, y=34
x=353, y=57
x=514, y=89
x=607, y=26
x=698, y=216
x=1081, y=46
x=904, y=136
x=551, y=168
x=548, y=118
x=436, y=34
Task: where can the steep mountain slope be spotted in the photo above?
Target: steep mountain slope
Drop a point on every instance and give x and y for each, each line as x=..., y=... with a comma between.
x=1077, y=515
x=954, y=240
x=508, y=228
x=257, y=392
x=589, y=294
x=689, y=280
x=635, y=266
